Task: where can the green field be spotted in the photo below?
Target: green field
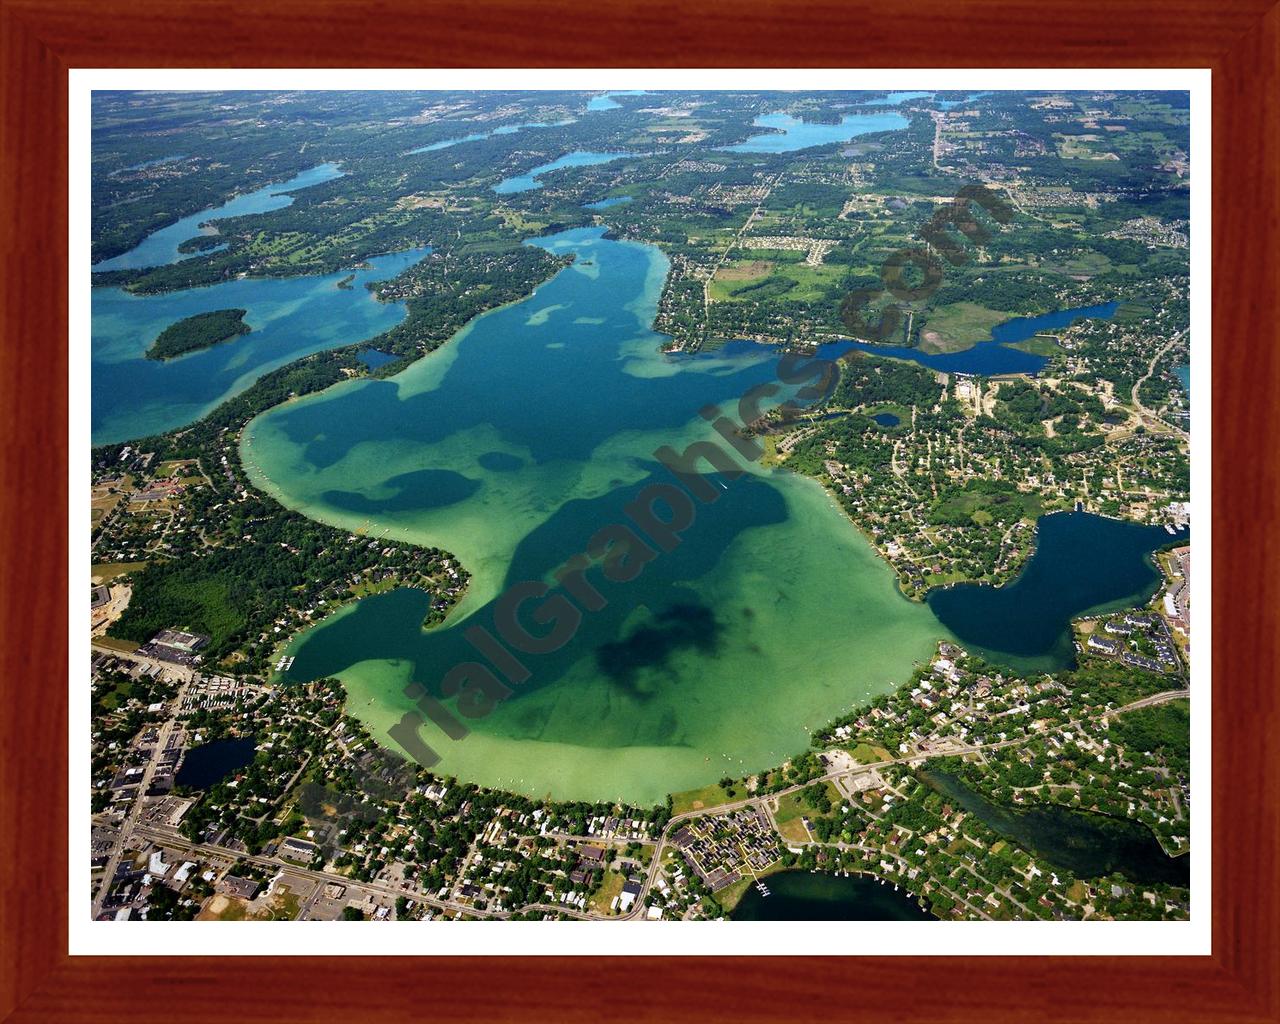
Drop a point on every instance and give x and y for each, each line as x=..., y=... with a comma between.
x=776, y=273
x=981, y=502
x=1039, y=345
x=107, y=571
x=698, y=799
x=958, y=326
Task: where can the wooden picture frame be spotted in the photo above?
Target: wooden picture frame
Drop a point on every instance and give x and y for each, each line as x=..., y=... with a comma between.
x=42, y=39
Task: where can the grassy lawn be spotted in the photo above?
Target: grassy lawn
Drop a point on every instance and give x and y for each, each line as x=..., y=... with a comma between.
x=1039, y=345
x=793, y=806
x=366, y=588
x=730, y=895
x=285, y=905
x=111, y=643
x=893, y=409
x=783, y=273
x=107, y=571
x=699, y=799
x=959, y=326
x=865, y=753
x=610, y=888
x=1130, y=312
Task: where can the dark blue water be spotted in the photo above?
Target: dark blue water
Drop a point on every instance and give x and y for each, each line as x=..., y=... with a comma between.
x=1082, y=563
x=886, y=419
x=204, y=766
x=1089, y=845
x=1183, y=373
x=988, y=358
x=161, y=247
x=814, y=896
x=373, y=358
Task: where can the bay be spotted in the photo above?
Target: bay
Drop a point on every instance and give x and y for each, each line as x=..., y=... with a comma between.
x=511, y=446
x=815, y=896
x=133, y=396
x=160, y=248
x=792, y=133
x=1083, y=563
x=995, y=356
x=529, y=180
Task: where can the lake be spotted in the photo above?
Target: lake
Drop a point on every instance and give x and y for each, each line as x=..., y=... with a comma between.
x=506, y=129
x=160, y=248
x=529, y=180
x=951, y=104
x=209, y=764
x=894, y=98
x=373, y=358
x=133, y=396
x=604, y=204
x=994, y=356
x=791, y=133
x=886, y=419
x=815, y=896
x=605, y=101
x=1082, y=563
x=1183, y=373
x=511, y=446
x=1087, y=844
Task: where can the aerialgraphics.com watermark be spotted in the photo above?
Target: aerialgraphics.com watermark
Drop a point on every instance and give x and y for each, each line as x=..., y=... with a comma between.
x=531, y=619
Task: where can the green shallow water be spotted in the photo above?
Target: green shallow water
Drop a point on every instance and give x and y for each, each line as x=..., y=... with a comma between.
x=510, y=447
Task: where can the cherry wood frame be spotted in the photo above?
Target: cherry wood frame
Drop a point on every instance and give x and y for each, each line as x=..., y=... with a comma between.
x=41, y=39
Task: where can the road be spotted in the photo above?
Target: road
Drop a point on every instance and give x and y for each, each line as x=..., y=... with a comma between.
x=1149, y=416
x=757, y=801
x=129, y=825
x=706, y=285
x=173, y=839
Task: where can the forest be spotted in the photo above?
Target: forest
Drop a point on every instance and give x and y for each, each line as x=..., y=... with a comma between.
x=203, y=330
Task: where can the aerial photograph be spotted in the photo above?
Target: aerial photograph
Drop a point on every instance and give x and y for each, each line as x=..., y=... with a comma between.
x=639, y=506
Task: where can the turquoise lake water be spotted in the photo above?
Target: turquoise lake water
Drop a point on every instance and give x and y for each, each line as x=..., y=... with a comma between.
x=950, y=104
x=506, y=129
x=1183, y=373
x=793, y=133
x=289, y=317
x=1082, y=563
x=512, y=446
x=578, y=158
x=605, y=101
x=894, y=98
x=994, y=356
x=160, y=248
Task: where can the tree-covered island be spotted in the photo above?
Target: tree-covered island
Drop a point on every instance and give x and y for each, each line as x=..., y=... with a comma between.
x=195, y=333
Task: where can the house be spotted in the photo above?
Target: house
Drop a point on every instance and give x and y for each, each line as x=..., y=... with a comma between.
x=296, y=849
x=233, y=885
